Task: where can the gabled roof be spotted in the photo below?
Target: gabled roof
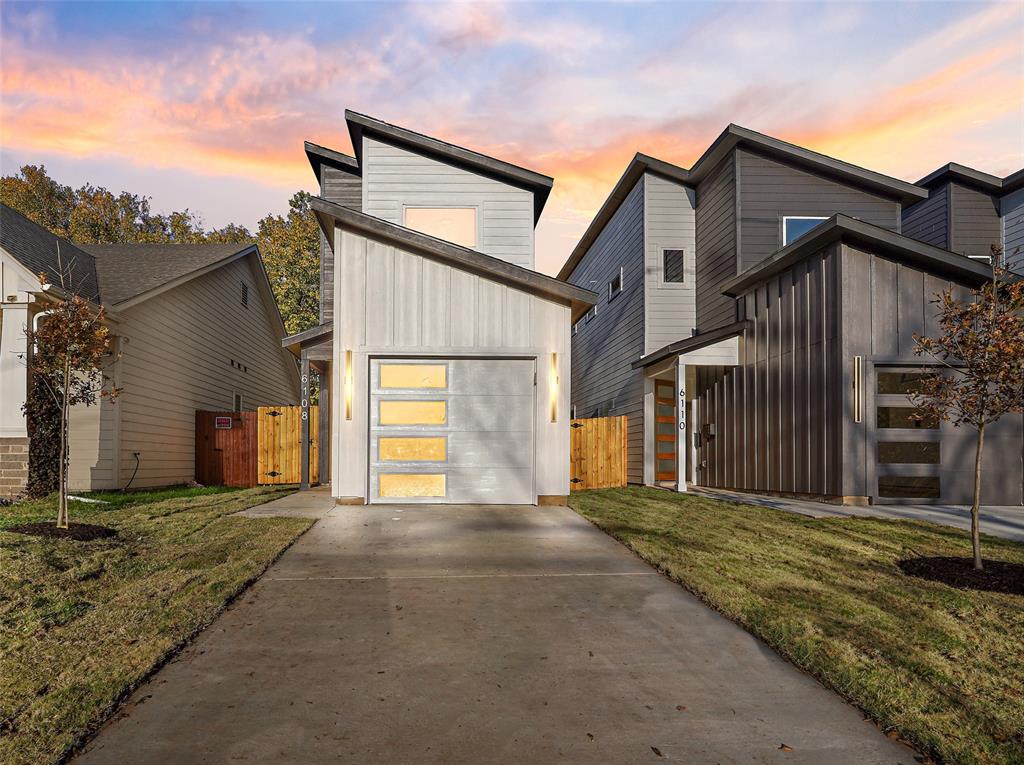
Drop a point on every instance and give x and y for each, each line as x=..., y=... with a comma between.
x=539, y=185
x=331, y=213
x=136, y=272
x=319, y=156
x=732, y=137
x=36, y=248
x=880, y=240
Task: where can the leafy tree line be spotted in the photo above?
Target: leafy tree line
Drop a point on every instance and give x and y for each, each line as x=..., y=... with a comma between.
x=94, y=215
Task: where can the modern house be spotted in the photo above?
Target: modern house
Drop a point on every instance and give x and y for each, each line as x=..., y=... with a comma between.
x=446, y=355
x=756, y=326
x=197, y=328
x=968, y=210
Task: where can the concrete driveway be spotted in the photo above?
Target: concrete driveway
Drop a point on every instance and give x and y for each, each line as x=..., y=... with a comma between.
x=419, y=634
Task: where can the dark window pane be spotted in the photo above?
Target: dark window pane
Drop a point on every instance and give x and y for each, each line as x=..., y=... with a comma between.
x=666, y=429
x=666, y=410
x=905, y=417
x=908, y=452
x=797, y=227
x=673, y=265
x=900, y=382
x=666, y=466
x=909, y=486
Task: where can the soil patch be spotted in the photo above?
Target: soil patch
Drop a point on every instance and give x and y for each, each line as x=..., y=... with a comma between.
x=80, y=532
x=997, y=576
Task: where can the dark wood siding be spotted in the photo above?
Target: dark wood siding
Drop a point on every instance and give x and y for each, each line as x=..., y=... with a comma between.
x=1012, y=210
x=974, y=221
x=928, y=221
x=716, y=245
x=603, y=382
x=345, y=189
x=770, y=190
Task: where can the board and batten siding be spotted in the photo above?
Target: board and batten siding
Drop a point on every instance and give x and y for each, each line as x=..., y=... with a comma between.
x=604, y=384
x=395, y=178
x=669, y=223
x=928, y=220
x=345, y=189
x=770, y=190
x=716, y=245
x=1012, y=211
x=178, y=347
x=974, y=221
x=391, y=302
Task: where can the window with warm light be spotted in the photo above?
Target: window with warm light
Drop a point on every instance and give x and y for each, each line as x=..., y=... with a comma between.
x=453, y=224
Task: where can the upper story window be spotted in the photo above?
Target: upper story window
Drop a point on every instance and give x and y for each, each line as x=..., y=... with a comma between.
x=453, y=224
x=795, y=226
x=245, y=294
x=615, y=285
x=673, y=266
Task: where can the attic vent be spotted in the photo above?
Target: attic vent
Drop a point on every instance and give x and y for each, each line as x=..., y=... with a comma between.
x=245, y=294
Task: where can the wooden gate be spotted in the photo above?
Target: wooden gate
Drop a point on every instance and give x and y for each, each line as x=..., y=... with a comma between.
x=598, y=453
x=226, y=448
x=280, y=444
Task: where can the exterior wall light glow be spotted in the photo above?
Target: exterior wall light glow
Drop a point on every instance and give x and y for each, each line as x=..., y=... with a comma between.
x=554, y=387
x=348, y=385
x=858, y=388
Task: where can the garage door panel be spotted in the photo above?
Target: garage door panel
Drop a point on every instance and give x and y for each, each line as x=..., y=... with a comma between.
x=475, y=449
x=444, y=412
x=496, y=485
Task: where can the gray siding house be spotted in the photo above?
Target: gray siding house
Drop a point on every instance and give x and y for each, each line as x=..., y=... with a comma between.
x=444, y=356
x=756, y=324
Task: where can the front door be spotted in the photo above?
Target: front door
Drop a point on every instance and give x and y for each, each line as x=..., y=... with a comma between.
x=665, y=417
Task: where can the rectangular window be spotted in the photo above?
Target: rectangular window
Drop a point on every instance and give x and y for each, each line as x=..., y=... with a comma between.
x=908, y=452
x=908, y=417
x=433, y=449
x=589, y=315
x=413, y=376
x=453, y=224
x=900, y=383
x=615, y=285
x=412, y=484
x=909, y=486
x=245, y=295
x=672, y=266
x=795, y=226
x=413, y=412
x=237, y=403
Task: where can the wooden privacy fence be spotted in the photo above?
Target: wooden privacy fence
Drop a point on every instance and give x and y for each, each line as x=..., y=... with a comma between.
x=597, y=453
x=255, y=448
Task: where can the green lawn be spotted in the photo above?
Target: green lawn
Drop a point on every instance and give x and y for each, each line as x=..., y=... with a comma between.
x=81, y=623
x=943, y=667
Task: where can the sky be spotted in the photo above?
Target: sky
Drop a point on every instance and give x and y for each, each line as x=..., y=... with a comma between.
x=206, y=105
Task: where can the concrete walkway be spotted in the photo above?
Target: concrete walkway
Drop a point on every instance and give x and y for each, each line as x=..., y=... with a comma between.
x=418, y=634
x=1006, y=522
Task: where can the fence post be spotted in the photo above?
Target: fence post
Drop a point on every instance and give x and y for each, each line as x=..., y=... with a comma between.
x=304, y=452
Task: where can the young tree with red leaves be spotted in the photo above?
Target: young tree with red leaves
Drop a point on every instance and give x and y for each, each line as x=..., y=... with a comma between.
x=981, y=350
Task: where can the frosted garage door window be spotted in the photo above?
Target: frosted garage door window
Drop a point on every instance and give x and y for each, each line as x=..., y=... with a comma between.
x=453, y=224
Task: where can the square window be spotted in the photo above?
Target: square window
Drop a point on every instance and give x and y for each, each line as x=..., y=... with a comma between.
x=452, y=224
x=673, y=264
x=795, y=226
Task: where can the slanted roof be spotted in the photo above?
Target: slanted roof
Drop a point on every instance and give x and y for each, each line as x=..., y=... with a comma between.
x=331, y=213
x=135, y=272
x=36, y=248
x=689, y=344
x=1013, y=182
x=874, y=238
x=990, y=184
x=539, y=185
x=732, y=137
x=319, y=156
x=307, y=338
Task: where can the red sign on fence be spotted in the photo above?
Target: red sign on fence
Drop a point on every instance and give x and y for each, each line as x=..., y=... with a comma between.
x=222, y=423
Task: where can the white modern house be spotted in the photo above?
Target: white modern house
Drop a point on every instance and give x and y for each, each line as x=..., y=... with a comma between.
x=446, y=356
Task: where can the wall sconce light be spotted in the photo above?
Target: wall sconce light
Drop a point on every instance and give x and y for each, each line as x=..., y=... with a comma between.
x=348, y=385
x=554, y=387
x=858, y=385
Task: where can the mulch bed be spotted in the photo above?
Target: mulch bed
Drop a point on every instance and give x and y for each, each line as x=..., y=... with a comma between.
x=80, y=532
x=997, y=576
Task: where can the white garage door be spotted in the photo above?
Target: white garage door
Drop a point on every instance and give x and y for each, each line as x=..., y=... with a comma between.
x=452, y=430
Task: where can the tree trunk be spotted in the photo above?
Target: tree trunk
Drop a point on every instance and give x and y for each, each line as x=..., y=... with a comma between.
x=976, y=507
x=62, y=507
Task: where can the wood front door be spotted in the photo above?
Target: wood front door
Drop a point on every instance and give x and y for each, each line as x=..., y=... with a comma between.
x=665, y=439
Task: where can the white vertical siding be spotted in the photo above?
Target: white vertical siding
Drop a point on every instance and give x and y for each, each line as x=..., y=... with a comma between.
x=669, y=222
x=395, y=177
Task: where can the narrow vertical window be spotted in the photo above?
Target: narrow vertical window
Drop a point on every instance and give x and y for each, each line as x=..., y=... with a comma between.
x=245, y=295
x=673, y=266
x=615, y=285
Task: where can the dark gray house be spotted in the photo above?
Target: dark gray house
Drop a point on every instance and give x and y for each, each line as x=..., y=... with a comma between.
x=755, y=324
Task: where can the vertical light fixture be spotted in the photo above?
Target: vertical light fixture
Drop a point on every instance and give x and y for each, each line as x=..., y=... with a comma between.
x=554, y=387
x=348, y=385
x=858, y=378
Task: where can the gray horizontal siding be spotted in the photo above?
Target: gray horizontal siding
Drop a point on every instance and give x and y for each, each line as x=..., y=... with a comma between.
x=716, y=245
x=770, y=190
x=928, y=221
x=603, y=381
x=1012, y=209
x=345, y=189
x=974, y=221
x=670, y=223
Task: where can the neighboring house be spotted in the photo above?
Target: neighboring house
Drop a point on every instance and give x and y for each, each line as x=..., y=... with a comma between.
x=446, y=355
x=756, y=326
x=197, y=327
x=967, y=211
